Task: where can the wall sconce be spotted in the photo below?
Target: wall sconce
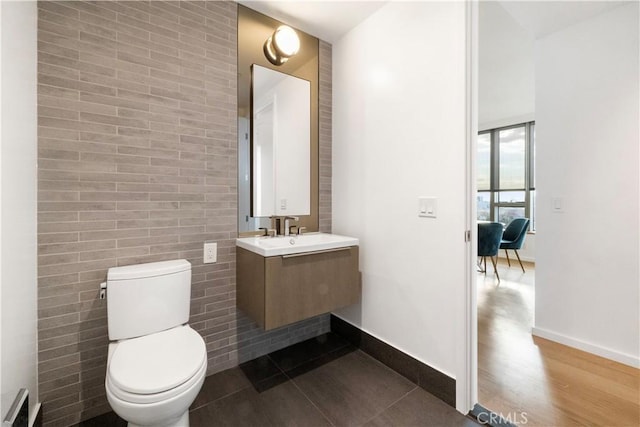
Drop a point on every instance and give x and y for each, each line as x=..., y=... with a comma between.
x=281, y=45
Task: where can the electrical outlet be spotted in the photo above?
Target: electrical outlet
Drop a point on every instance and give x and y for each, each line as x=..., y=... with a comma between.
x=210, y=252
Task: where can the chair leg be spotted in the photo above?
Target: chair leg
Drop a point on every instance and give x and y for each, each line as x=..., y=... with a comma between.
x=495, y=268
x=521, y=266
x=479, y=265
x=484, y=258
x=507, y=254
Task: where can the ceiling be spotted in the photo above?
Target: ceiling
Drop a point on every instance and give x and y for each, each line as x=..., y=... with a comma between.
x=542, y=18
x=326, y=20
x=330, y=20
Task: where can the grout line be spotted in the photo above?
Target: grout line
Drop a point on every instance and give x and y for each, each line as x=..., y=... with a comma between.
x=276, y=365
x=379, y=362
x=308, y=360
x=220, y=398
x=292, y=380
x=312, y=402
x=392, y=403
x=311, y=360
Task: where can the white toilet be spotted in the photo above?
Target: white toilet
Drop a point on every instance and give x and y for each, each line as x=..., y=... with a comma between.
x=156, y=363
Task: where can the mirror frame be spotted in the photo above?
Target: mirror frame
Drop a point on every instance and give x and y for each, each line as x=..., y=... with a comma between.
x=253, y=29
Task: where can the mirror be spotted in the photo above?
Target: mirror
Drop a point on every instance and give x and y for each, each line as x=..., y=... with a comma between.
x=280, y=144
x=254, y=29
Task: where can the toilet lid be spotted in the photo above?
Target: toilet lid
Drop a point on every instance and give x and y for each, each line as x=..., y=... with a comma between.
x=157, y=362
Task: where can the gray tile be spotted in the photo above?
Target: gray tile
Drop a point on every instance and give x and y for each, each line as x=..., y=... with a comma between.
x=317, y=362
x=283, y=405
x=431, y=380
x=137, y=136
x=324, y=135
x=418, y=409
x=220, y=385
x=262, y=373
x=306, y=351
x=260, y=369
x=110, y=419
x=353, y=389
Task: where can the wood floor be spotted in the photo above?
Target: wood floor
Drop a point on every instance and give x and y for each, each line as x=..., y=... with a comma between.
x=535, y=382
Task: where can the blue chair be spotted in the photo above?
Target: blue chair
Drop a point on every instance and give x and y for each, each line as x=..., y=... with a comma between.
x=489, y=238
x=513, y=238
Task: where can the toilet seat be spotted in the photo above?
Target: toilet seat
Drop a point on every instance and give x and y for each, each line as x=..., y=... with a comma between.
x=156, y=367
x=157, y=397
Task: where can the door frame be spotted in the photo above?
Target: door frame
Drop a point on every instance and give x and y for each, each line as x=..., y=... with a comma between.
x=467, y=381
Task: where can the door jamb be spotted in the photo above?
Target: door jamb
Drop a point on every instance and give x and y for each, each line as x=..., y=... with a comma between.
x=467, y=382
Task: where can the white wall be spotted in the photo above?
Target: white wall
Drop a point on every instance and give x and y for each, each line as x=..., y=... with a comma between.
x=18, y=201
x=399, y=133
x=587, y=107
x=506, y=84
x=505, y=69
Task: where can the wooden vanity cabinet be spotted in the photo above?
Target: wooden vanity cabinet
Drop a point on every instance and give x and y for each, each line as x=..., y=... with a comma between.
x=279, y=290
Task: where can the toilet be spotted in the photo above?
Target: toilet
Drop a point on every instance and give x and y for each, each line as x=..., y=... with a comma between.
x=156, y=363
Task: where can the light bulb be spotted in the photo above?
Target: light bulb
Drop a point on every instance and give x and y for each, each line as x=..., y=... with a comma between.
x=286, y=41
x=281, y=45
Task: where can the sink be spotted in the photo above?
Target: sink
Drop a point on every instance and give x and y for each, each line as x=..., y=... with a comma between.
x=294, y=244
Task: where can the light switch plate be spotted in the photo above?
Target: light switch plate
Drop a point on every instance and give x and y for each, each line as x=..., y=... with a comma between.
x=557, y=204
x=427, y=207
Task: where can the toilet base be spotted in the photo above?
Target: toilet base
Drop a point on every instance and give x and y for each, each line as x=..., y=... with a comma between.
x=182, y=421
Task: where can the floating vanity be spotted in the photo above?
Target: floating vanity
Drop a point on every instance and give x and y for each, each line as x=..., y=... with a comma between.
x=285, y=279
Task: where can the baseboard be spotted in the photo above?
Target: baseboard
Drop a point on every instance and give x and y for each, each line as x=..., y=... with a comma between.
x=625, y=359
x=513, y=258
x=435, y=382
x=36, y=420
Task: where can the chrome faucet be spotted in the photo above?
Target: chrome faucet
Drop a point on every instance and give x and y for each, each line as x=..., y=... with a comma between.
x=287, y=229
x=275, y=224
x=268, y=232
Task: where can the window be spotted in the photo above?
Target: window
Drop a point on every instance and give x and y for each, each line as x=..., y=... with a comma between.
x=506, y=178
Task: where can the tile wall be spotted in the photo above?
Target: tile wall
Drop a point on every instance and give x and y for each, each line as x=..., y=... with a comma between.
x=137, y=163
x=324, y=140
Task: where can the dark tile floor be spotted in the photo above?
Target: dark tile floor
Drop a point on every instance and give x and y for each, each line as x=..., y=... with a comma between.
x=320, y=382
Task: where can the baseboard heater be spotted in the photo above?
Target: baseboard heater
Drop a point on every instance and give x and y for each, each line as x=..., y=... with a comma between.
x=18, y=415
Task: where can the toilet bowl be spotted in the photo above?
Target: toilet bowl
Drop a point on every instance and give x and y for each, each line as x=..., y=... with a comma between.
x=148, y=386
x=153, y=376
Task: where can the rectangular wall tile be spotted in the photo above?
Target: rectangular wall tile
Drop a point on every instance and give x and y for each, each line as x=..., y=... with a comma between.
x=324, y=122
x=137, y=163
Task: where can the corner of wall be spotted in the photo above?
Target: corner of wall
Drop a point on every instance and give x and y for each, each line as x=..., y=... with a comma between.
x=18, y=159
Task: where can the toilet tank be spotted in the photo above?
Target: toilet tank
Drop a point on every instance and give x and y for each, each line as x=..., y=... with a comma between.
x=147, y=298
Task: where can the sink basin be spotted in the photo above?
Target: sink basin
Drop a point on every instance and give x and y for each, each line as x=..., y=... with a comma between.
x=286, y=245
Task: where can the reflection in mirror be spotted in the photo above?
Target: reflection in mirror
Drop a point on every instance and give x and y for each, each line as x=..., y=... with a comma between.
x=280, y=144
